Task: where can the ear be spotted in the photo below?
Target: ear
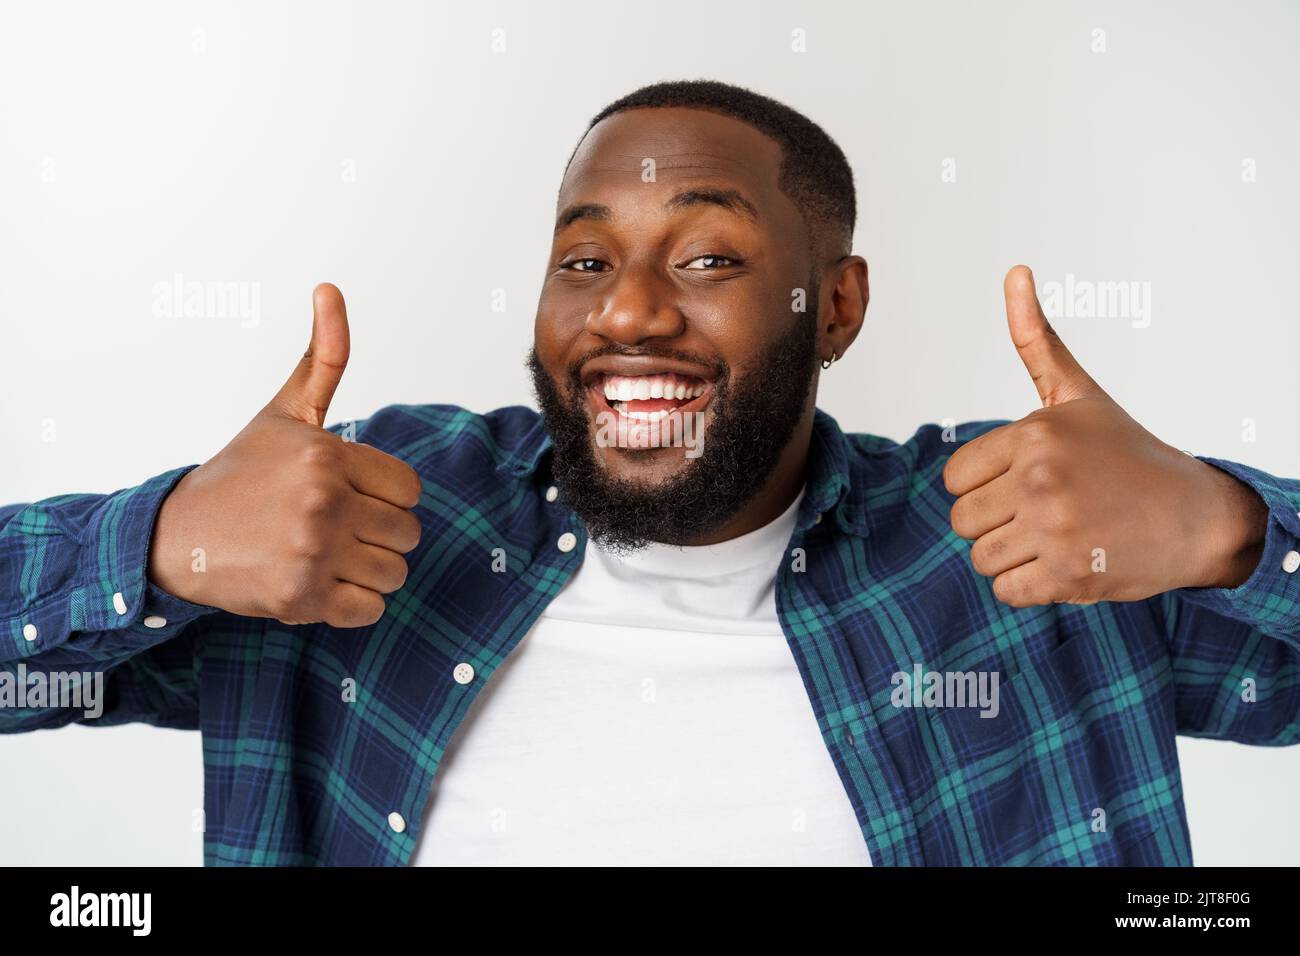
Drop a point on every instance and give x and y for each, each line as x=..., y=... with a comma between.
x=846, y=293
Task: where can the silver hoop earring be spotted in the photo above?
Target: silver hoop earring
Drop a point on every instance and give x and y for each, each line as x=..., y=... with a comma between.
x=827, y=363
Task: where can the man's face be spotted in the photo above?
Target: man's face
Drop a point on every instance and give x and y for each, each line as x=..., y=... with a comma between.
x=669, y=318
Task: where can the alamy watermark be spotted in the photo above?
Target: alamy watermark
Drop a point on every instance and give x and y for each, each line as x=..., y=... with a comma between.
x=188, y=299
x=82, y=690
x=922, y=688
x=76, y=908
x=667, y=429
x=1086, y=299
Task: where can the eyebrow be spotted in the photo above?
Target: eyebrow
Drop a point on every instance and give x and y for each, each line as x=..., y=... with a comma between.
x=729, y=199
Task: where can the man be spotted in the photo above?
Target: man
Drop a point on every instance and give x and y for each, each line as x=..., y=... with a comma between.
x=680, y=616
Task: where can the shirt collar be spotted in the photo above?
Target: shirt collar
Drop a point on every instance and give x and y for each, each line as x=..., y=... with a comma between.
x=830, y=479
x=829, y=473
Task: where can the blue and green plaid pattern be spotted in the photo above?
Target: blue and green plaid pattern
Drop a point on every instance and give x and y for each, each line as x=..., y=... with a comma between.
x=1079, y=766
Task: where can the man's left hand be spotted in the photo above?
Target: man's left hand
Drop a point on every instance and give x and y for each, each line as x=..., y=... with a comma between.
x=1078, y=503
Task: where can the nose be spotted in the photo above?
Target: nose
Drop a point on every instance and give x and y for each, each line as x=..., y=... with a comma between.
x=637, y=306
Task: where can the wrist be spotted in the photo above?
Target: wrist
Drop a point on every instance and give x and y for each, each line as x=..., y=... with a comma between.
x=170, y=565
x=1236, y=530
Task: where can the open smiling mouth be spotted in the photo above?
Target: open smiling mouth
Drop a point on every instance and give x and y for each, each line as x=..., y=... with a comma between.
x=649, y=397
x=655, y=410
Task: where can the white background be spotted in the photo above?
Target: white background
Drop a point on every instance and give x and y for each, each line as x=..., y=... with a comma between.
x=139, y=141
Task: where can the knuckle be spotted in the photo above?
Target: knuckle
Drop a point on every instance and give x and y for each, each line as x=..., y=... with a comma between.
x=984, y=552
x=321, y=454
x=371, y=611
x=1037, y=429
x=397, y=576
x=292, y=598
x=1002, y=589
x=389, y=573
x=961, y=519
x=965, y=513
x=356, y=612
x=413, y=489
x=410, y=532
x=1041, y=475
x=1059, y=520
x=319, y=499
x=307, y=543
x=1009, y=591
x=1070, y=570
x=949, y=471
x=957, y=518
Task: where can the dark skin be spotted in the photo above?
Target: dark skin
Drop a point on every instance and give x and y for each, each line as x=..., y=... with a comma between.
x=297, y=524
x=1046, y=499
x=630, y=266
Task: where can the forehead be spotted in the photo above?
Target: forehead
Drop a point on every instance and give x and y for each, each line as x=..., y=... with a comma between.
x=687, y=146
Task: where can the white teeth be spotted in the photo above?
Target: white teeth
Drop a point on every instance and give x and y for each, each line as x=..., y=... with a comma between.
x=621, y=388
x=621, y=408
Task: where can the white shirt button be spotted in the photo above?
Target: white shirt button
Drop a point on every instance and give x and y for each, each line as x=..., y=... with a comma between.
x=396, y=821
x=119, y=603
x=552, y=493
x=464, y=673
x=29, y=631
x=818, y=519
x=568, y=541
x=153, y=620
x=1291, y=562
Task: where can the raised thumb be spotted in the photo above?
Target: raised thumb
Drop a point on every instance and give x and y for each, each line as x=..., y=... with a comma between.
x=306, y=395
x=1058, y=377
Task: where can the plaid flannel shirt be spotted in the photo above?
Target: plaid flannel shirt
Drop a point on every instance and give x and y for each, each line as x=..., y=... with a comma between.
x=298, y=772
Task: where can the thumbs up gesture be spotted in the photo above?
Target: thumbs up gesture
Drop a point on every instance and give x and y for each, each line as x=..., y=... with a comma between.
x=1078, y=503
x=295, y=523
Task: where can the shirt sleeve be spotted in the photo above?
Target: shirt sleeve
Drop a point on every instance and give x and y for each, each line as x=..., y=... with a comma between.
x=1236, y=651
x=76, y=599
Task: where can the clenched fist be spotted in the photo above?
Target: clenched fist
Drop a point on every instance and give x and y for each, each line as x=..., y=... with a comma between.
x=295, y=523
x=1078, y=503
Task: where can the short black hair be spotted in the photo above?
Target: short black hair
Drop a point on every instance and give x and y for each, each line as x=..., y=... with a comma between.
x=815, y=174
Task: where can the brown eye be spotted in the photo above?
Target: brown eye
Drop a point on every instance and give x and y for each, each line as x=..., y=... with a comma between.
x=712, y=262
x=585, y=265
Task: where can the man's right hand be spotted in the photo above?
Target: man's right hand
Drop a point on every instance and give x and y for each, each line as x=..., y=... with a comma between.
x=294, y=523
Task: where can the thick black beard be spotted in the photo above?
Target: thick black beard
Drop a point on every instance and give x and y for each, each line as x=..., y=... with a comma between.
x=753, y=421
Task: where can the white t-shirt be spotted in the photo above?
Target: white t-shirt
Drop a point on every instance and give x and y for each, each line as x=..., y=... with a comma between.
x=653, y=715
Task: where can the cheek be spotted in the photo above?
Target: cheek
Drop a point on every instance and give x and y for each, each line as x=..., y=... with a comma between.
x=566, y=305
x=750, y=309
x=745, y=342
x=733, y=328
x=554, y=338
